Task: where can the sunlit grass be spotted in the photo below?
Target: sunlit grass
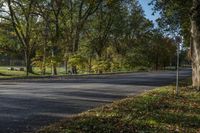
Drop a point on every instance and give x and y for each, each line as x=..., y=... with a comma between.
x=5, y=73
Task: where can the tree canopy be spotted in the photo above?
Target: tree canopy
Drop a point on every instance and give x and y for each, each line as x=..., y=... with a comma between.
x=84, y=35
x=183, y=18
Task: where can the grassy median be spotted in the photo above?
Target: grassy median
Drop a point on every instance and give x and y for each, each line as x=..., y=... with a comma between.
x=154, y=111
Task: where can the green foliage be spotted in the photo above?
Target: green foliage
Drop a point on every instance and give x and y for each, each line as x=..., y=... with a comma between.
x=9, y=45
x=115, y=66
x=175, y=17
x=84, y=35
x=101, y=66
x=79, y=61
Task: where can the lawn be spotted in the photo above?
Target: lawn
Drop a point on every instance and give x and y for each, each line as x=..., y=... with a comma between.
x=158, y=111
x=5, y=73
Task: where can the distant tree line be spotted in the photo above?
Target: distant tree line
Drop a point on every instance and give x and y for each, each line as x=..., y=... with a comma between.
x=84, y=35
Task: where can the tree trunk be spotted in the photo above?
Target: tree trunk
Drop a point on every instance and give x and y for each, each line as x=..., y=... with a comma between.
x=157, y=62
x=66, y=58
x=99, y=58
x=66, y=65
x=76, y=41
x=74, y=70
x=44, y=61
x=195, y=43
x=53, y=65
x=90, y=65
x=28, y=64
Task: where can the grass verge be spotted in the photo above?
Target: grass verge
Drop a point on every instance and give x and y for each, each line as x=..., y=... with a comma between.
x=158, y=111
x=8, y=74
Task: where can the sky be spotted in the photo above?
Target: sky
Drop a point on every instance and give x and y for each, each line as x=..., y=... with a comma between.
x=148, y=10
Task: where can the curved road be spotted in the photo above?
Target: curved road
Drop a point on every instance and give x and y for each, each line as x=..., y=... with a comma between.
x=26, y=105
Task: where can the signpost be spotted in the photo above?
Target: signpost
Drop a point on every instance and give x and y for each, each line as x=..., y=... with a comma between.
x=178, y=42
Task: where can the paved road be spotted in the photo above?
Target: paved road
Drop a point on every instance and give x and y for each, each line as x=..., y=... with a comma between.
x=29, y=104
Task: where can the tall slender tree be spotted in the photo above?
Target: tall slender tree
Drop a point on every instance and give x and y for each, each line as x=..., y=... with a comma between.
x=23, y=21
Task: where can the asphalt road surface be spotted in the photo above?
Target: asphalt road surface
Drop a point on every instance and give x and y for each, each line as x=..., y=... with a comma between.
x=26, y=105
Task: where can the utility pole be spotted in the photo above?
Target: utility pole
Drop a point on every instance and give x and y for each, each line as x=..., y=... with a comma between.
x=178, y=42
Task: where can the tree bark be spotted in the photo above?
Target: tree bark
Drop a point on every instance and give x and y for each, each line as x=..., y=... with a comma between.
x=66, y=66
x=53, y=65
x=195, y=43
x=44, y=61
x=66, y=63
x=28, y=64
x=90, y=65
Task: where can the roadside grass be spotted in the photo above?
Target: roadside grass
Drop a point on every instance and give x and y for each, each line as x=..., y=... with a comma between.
x=5, y=73
x=156, y=111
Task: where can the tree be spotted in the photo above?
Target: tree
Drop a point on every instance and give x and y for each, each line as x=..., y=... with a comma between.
x=183, y=17
x=9, y=44
x=79, y=12
x=20, y=15
x=91, y=35
x=195, y=43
